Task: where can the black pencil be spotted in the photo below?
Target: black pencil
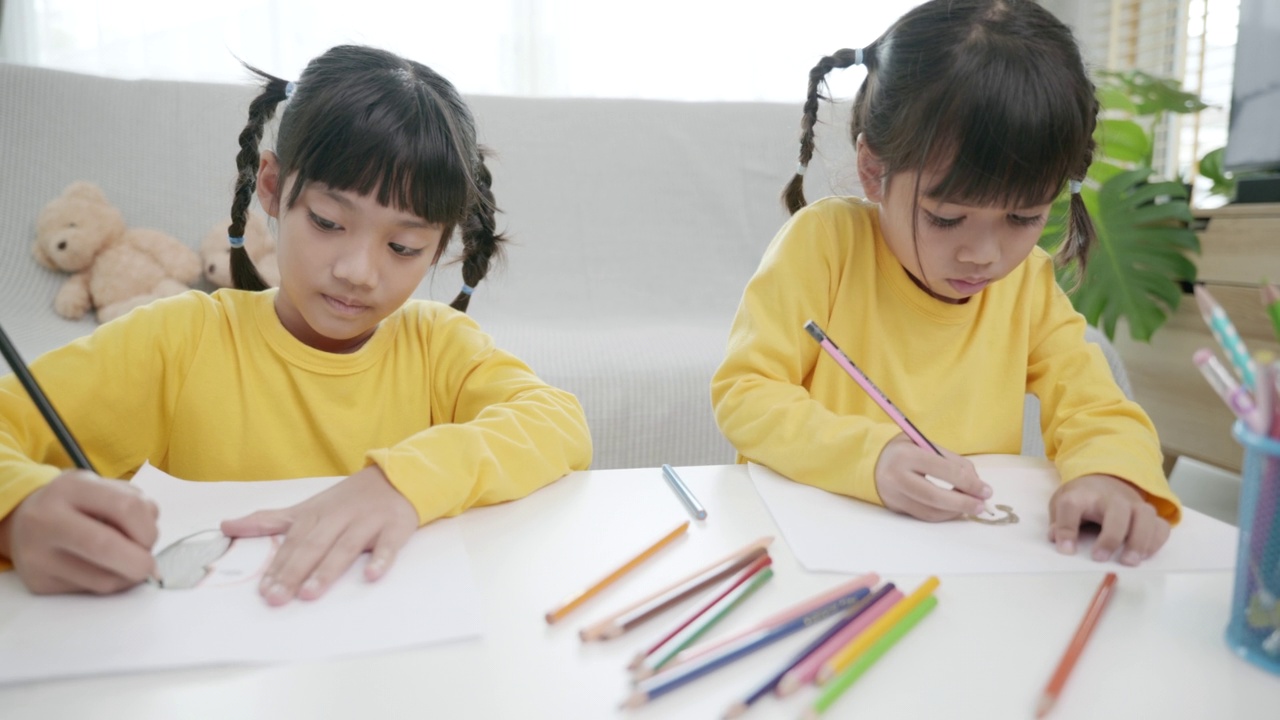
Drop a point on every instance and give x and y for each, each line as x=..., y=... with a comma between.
x=42, y=401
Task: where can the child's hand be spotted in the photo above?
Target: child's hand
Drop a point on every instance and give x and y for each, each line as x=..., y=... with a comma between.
x=81, y=533
x=1127, y=519
x=325, y=534
x=900, y=480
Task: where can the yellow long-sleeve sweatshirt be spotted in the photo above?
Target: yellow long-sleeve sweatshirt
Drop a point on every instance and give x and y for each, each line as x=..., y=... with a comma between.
x=213, y=387
x=959, y=372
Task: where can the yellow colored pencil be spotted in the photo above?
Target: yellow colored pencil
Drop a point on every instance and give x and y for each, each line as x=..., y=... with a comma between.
x=847, y=654
x=558, y=613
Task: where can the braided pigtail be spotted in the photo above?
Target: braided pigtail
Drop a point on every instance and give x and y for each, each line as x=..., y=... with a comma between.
x=793, y=194
x=244, y=275
x=481, y=243
x=1081, y=233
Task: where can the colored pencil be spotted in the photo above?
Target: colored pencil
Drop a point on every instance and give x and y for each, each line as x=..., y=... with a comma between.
x=1225, y=333
x=712, y=617
x=879, y=398
x=807, y=671
x=642, y=610
x=555, y=615
x=1224, y=384
x=684, y=493
x=841, y=682
x=728, y=587
x=42, y=403
x=780, y=617
x=1068, y=661
x=1271, y=300
x=841, y=659
x=771, y=683
x=665, y=682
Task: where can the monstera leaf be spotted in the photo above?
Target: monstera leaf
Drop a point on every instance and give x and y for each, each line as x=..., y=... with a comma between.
x=1136, y=268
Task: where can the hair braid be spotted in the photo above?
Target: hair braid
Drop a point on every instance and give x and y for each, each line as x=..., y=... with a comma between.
x=481, y=242
x=1081, y=233
x=793, y=194
x=244, y=275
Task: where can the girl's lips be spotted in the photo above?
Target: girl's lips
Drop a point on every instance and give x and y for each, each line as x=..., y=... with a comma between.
x=967, y=287
x=344, y=308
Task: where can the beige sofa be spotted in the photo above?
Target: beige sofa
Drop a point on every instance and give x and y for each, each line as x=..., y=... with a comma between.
x=635, y=225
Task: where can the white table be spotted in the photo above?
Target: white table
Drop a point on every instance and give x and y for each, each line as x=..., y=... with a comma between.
x=984, y=653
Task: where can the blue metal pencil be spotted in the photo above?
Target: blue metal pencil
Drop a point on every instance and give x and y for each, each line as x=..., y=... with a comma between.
x=690, y=502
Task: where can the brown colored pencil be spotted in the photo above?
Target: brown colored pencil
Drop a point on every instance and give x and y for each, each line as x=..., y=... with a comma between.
x=558, y=613
x=1087, y=624
x=638, y=612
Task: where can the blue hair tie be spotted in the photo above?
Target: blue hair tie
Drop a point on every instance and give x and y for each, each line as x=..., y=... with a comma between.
x=236, y=241
x=1074, y=186
x=289, y=87
x=467, y=289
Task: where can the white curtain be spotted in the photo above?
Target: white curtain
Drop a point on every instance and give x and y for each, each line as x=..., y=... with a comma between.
x=669, y=49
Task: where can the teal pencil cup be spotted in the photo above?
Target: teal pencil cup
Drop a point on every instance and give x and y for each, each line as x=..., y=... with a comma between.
x=1254, y=629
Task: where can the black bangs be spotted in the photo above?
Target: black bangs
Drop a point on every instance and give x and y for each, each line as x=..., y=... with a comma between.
x=371, y=137
x=1005, y=139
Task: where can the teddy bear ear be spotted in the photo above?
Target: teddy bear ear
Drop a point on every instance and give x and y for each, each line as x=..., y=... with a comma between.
x=82, y=190
x=42, y=256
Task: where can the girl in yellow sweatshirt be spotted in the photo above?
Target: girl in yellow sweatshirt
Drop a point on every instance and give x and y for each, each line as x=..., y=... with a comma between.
x=336, y=372
x=973, y=117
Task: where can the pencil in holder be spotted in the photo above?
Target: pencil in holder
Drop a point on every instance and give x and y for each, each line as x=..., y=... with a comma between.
x=1253, y=631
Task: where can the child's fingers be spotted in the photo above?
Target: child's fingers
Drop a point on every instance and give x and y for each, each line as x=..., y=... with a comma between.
x=385, y=550
x=1116, y=519
x=1065, y=516
x=935, y=504
x=75, y=574
x=1147, y=533
x=304, y=546
x=341, y=556
x=258, y=524
x=957, y=472
x=103, y=546
x=121, y=506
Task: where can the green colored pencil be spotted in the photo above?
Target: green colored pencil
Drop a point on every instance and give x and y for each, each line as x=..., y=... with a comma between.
x=714, y=615
x=841, y=682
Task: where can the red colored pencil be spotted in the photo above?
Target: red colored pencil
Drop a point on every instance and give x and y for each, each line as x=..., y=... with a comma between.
x=1087, y=624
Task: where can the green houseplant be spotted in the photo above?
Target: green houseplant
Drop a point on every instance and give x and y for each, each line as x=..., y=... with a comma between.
x=1137, y=268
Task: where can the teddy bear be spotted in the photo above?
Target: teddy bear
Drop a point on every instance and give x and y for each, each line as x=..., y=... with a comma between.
x=215, y=252
x=114, y=268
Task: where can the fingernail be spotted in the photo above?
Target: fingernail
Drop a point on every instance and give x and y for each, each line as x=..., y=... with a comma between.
x=1067, y=547
x=376, y=567
x=1132, y=557
x=277, y=592
x=979, y=508
x=986, y=492
x=265, y=583
x=311, y=587
x=1100, y=555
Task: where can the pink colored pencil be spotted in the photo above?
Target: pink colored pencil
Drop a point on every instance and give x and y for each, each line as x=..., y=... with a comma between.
x=804, y=673
x=784, y=616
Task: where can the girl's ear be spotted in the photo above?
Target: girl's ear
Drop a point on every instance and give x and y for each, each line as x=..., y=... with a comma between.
x=870, y=171
x=269, y=184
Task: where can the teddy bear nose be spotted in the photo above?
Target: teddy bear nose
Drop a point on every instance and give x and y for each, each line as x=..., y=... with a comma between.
x=62, y=245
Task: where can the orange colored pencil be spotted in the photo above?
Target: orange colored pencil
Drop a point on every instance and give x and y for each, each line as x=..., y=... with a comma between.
x=1087, y=624
x=558, y=613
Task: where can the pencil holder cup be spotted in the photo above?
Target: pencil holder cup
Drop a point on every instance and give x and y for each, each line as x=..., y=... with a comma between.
x=1254, y=629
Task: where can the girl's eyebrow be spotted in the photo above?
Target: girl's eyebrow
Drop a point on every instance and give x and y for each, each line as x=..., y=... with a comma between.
x=347, y=204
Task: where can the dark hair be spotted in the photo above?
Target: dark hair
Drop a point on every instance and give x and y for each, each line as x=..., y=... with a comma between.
x=362, y=119
x=993, y=91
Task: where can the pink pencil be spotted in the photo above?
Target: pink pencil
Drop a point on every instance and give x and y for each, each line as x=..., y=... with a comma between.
x=804, y=673
x=778, y=618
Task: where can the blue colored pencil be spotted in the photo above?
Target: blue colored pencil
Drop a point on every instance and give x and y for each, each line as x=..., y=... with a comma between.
x=768, y=686
x=666, y=682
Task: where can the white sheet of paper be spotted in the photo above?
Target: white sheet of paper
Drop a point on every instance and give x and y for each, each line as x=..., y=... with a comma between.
x=834, y=533
x=428, y=596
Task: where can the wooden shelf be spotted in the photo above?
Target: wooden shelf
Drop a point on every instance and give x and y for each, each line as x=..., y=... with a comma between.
x=1239, y=245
